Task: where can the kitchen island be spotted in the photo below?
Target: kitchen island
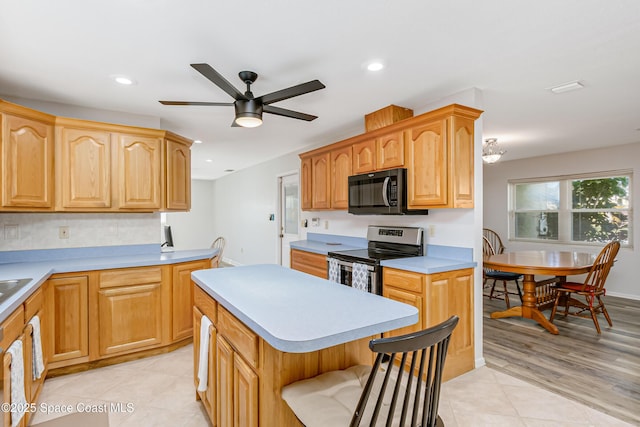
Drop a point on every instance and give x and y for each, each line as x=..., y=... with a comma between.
x=272, y=326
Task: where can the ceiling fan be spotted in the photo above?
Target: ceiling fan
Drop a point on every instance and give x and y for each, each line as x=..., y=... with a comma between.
x=248, y=108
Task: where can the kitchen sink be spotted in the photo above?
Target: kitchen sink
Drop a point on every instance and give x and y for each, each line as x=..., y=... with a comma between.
x=10, y=287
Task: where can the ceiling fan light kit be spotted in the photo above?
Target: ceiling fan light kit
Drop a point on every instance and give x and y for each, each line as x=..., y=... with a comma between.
x=249, y=109
x=491, y=153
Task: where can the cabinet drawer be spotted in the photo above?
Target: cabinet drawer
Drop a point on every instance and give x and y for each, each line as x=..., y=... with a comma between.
x=205, y=304
x=239, y=336
x=33, y=304
x=311, y=263
x=402, y=279
x=130, y=276
x=12, y=328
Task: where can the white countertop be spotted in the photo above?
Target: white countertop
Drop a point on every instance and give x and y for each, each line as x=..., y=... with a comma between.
x=39, y=271
x=296, y=312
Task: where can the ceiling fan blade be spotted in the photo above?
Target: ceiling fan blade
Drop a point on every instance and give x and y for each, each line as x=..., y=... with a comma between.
x=297, y=90
x=234, y=124
x=287, y=113
x=211, y=74
x=215, y=104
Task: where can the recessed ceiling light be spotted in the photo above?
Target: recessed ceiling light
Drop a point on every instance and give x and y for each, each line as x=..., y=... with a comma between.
x=375, y=66
x=197, y=141
x=209, y=160
x=567, y=87
x=123, y=80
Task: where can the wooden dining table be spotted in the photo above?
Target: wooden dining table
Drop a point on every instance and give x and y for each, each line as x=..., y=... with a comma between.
x=538, y=295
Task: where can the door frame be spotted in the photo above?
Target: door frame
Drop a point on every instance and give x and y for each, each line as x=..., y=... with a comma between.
x=279, y=213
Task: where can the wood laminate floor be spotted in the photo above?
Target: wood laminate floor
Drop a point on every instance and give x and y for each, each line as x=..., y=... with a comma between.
x=600, y=371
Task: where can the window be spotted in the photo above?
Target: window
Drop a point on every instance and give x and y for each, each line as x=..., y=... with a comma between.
x=581, y=209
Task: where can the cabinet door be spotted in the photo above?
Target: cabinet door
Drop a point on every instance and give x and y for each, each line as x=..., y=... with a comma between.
x=224, y=370
x=178, y=176
x=364, y=156
x=320, y=182
x=139, y=172
x=35, y=306
x=130, y=317
x=407, y=298
x=207, y=397
x=341, y=165
x=27, y=162
x=84, y=166
x=306, y=188
x=453, y=292
x=461, y=166
x=182, y=299
x=390, y=151
x=68, y=318
x=427, y=165
x=245, y=394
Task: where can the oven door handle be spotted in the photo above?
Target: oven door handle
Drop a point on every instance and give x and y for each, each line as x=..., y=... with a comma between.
x=385, y=191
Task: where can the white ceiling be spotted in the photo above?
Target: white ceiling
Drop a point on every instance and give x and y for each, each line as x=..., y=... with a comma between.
x=65, y=51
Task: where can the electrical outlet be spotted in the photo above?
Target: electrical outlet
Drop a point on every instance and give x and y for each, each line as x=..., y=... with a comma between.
x=63, y=232
x=432, y=230
x=326, y=225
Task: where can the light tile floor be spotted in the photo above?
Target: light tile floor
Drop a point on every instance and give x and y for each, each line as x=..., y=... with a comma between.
x=160, y=391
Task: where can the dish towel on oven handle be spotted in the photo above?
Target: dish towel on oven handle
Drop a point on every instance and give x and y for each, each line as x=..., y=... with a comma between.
x=334, y=270
x=360, y=276
x=18, y=398
x=203, y=356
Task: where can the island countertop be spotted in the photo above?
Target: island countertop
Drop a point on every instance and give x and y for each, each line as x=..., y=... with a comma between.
x=296, y=312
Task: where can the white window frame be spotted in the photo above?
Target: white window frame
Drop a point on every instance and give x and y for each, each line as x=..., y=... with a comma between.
x=565, y=210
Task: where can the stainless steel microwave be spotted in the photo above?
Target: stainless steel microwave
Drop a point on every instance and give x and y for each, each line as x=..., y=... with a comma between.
x=380, y=193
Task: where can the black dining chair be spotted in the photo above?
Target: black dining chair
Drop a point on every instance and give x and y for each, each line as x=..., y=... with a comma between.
x=498, y=276
x=401, y=389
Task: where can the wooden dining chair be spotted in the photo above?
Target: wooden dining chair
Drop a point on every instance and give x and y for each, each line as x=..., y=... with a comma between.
x=383, y=394
x=488, y=274
x=592, y=289
x=219, y=244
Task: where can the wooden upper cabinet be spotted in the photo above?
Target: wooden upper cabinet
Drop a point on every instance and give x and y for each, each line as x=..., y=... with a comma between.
x=178, y=175
x=341, y=164
x=139, y=171
x=364, y=156
x=427, y=160
x=26, y=147
x=461, y=166
x=390, y=150
x=306, y=187
x=83, y=165
x=320, y=181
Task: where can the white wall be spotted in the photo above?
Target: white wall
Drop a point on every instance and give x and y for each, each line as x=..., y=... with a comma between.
x=194, y=229
x=40, y=230
x=623, y=278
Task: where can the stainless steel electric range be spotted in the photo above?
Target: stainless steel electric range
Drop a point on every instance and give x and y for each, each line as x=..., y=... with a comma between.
x=361, y=268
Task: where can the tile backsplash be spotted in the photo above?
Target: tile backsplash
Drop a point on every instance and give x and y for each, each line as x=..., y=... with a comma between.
x=28, y=231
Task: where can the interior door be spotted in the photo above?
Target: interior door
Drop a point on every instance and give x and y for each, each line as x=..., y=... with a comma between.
x=289, y=214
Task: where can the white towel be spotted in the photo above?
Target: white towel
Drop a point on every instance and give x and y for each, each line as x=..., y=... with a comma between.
x=203, y=357
x=18, y=399
x=38, y=359
x=334, y=270
x=360, y=276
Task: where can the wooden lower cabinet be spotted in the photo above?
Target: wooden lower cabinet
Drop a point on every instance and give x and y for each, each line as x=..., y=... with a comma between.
x=130, y=318
x=437, y=297
x=68, y=303
x=208, y=397
x=18, y=327
x=182, y=298
x=308, y=262
x=248, y=373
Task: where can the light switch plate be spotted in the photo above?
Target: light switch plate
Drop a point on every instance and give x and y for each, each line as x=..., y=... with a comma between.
x=11, y=232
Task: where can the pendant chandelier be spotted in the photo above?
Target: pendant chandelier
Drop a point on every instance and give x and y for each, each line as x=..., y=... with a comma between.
x=491, y=153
